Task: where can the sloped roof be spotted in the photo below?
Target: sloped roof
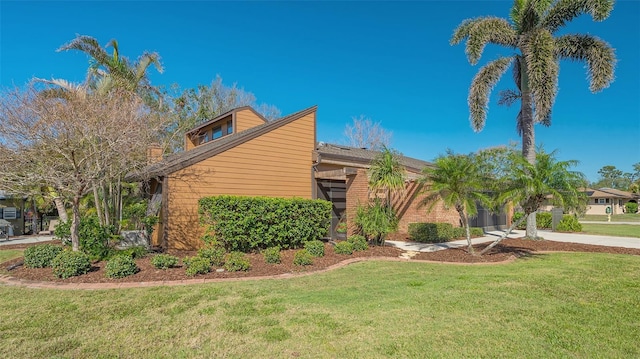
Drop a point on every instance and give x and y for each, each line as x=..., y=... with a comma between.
x=226, y=114
x=182, y=160
x=364, y=156
x=599, y=193
x=617, y=192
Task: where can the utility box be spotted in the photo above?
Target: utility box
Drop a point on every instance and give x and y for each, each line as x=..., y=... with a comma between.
x=556, y=217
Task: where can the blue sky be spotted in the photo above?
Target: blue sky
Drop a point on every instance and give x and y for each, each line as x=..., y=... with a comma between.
x=390, y=61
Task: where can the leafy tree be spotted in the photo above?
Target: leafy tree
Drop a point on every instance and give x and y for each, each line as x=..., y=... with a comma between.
x=535, y=63
x=363, y=133
x=456, y=180
x=612, y=177
x=530, y=185
x=387, y=173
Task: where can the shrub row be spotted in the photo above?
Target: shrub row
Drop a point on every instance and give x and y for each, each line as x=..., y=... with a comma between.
x=569, y=223
x=544, y=220
x=439, y=232
x=253, y=223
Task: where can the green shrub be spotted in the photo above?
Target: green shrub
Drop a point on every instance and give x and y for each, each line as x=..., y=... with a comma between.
x=375, y=221
x=164, y=261
x=272, y=255
x=431, y=232
x=252, y=223
x=121, y=266
x=236, y=261
x=302, y=258
x=631, y=207
x=315, y=248
x=40, y=256
x=476, y=232
x=70, y=263
x=214, y=253
x=460, y=232
x=358, y=242
x=543, y=220
x=196, y=265
x=133, y=252
x=569, y=223
x=93, y=238
x=344, y=247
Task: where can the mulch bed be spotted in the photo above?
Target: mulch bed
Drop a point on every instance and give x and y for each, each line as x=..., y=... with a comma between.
x=508, y=249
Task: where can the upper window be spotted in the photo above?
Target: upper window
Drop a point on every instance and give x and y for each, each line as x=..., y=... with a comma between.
x=229, y=127
x=216, y=133
x=204, y=138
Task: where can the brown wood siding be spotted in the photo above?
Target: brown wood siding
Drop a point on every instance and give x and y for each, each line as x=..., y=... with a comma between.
x=246, y=119
x=276, y=164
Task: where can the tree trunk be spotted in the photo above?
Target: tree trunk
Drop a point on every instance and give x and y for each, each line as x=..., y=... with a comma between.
x=465, y=223
x=105, y=204
x=98, y=204
x=505, y=235
x=62, y=213
x=532, y=229
x=528, y=134
x=75, y=223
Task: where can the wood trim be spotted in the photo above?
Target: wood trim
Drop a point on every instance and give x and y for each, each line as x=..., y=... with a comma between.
x=164, y=240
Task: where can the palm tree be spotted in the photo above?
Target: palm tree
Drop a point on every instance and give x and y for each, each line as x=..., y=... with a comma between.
x=456, y=180
x=530, y=185
x=536, y=59
x=535, y=63
x=108, y=72
x=387, y=173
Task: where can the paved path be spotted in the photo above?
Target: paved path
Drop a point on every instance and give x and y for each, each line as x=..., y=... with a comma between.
x=605, y=222
x=598, y=240
x=25, y=239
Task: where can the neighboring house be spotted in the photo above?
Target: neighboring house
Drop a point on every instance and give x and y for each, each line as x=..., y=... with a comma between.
x=240, y=153
x=600, y=199
x=12, y=210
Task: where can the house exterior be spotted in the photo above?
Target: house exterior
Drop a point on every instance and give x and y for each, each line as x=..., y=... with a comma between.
x=240, y=153
x=12, y=211
x=601, y=199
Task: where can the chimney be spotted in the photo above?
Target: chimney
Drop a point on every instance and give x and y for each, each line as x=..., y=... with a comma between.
x=154, y=153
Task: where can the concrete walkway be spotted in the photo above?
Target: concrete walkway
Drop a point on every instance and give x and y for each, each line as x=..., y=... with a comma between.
x=25, y=239
x=625, y=242
x=605, y=222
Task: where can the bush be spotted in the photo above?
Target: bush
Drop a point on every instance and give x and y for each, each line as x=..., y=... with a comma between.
x=40, y=256
x=70, y=263
x=133, y=252
x=164, y=261
x=236, y=261
x=516, y=217
x=431, y=232
x=272, y=255
x=344, y=247
x=358, y=242
x=303, y=258
x=253, y=223
x=214, y=253
x=315, y=248
x=121, y=266
x=569, y=223
x=631, y=207
x=543, y=220
x=375, y=221
x=196, y=265
x=93, y=238
x=460, y=232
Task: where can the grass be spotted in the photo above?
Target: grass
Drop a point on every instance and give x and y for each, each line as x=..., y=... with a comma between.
x=627, y=217
x=619, y=230
x=547, y=306
x=7, y=255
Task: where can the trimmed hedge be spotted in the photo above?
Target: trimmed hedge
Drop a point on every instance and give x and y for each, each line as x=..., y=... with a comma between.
x=315, y=248
x=236, y=261
x=343, y=247
x=569, y=223
x=460, y=232
x=121, y=266
x=543, y=220
x=430, y=232
x=196, y=265
x=272, y=255
x=302, y=258
x=164, y=261
x=40, y=256
x=253, y=223
x=358, y=242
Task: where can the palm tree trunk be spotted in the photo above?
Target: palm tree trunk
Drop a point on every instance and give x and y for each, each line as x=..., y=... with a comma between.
x=505, y=235
x=532, y=228
x=528, y=137
x=465, y=223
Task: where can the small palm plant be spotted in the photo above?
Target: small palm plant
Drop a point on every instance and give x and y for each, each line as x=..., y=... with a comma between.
x=456, y=180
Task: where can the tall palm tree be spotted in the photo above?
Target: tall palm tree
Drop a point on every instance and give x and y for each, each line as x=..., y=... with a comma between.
x=535, y=62
x=531, y=185
x=457, y=181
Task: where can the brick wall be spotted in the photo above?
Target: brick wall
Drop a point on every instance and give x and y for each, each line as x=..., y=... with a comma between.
x=407, y=204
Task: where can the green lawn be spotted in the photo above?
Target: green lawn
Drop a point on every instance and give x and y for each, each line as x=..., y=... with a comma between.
x=627, y=217
x=6, y=255
x=619, y=230
x=548, y=306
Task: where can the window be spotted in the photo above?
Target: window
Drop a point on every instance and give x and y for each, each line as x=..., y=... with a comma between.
x=229, y=127
x=217, y=132
x=10, y=213
x=602, y=200
x=204, y=138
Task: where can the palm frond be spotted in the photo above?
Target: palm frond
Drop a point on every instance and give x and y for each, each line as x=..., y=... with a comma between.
x=144, y=61
x=598, y=54
x=386, y=171
x=542, y=71
x=481, y=87
x=462, y=31
x=487, y=30
x=564, y=11
x=89, y=46
x=508, y=97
